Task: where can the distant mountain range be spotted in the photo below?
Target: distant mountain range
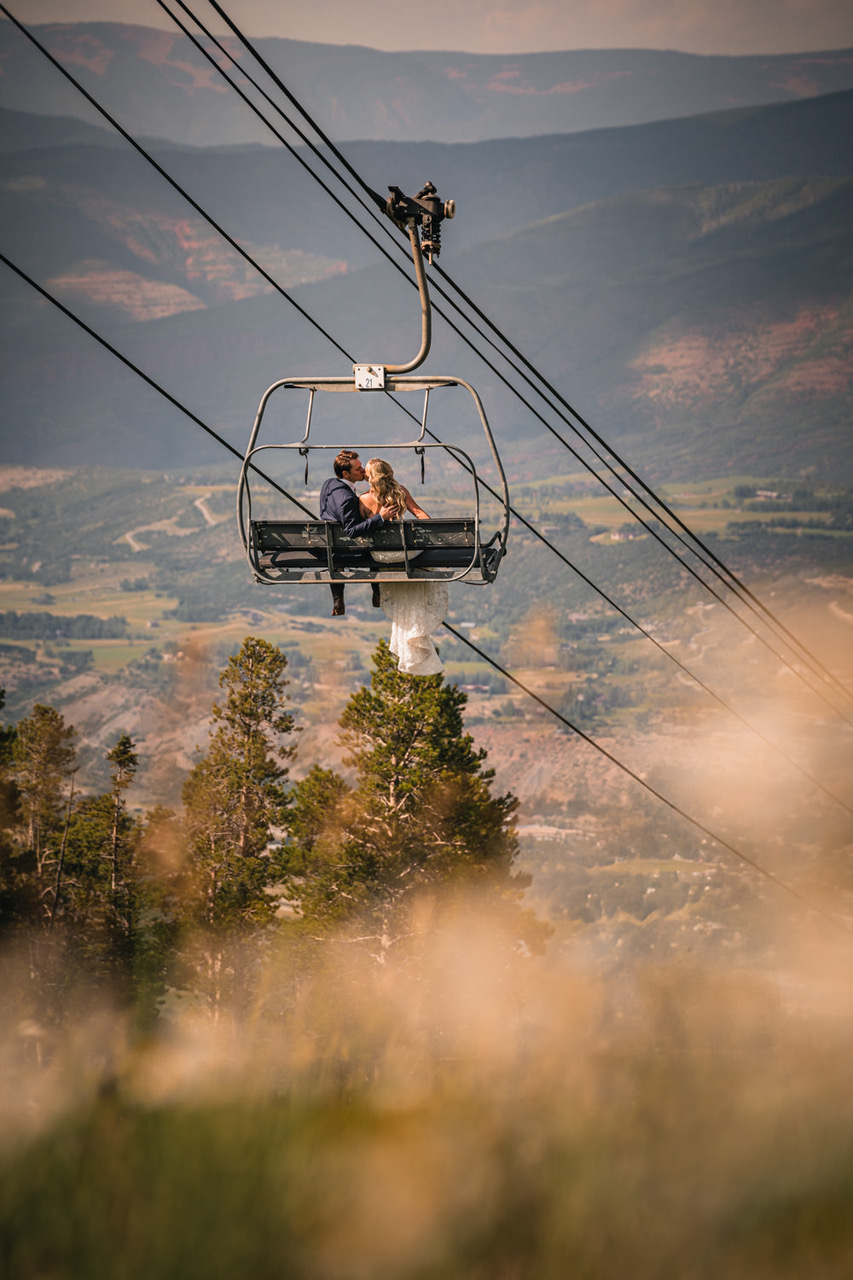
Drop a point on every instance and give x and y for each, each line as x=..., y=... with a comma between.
x=688, y=284
x=263, y=196
x=710, y=326
x=162, y=86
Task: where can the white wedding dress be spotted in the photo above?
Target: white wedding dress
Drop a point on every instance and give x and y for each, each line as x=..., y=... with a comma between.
x=415, y=609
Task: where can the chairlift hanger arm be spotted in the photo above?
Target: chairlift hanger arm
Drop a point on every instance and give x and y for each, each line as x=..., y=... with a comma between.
x=421, y=219
x=426, y=308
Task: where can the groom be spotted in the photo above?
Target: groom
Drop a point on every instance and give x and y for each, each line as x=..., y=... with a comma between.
x=339, y=503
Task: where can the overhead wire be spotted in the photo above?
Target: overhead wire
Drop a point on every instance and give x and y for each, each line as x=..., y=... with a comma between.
x=140, y=373
x=485, y=657
x=709, y=832
x=50, y=297
x=643, y=631
x=838, y=921
x=279, y=83
x=730, y=577
x=731, y=581
x=724, y=574
x=146, y=155
x=227, y=53
x=342, y=159
x=137, y=146
x=669, y=511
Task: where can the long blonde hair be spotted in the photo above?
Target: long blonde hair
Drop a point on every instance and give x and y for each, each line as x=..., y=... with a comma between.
x=387, y=491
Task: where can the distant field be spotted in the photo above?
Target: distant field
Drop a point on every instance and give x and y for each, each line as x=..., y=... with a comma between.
x=706, y=507
x=187, y=598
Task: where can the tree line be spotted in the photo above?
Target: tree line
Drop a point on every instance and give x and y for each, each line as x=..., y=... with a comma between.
x=142, y=905
x=77, y=626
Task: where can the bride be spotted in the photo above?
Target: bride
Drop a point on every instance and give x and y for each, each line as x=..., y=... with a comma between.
x=415, y=608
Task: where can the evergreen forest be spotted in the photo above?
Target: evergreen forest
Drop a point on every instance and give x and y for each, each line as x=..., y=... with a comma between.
x=143, y=907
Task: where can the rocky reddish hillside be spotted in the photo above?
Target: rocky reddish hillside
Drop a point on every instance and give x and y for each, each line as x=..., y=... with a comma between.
x=712, y=322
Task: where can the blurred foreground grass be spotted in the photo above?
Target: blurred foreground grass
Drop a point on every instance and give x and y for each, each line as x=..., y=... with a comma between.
x=454, y=1119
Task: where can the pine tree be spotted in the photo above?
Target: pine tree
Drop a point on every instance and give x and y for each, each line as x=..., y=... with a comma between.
x=100, y=904
x=422, y=817
x=10, y=878
x=38, y=792
x=8, y=734
x=161, y=889
x=237, y=794
x=123, y=762
x=43, y=758
x=322, y=872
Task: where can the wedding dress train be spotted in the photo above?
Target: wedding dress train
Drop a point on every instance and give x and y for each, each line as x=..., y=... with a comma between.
x=415, y=609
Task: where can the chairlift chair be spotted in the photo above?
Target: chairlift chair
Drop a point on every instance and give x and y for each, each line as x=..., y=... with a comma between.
x=309, y=550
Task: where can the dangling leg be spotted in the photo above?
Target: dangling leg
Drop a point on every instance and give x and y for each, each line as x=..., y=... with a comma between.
x=377, y=598
x=338, y=605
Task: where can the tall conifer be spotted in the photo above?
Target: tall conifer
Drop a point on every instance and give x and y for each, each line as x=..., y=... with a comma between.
x=236, y=795
x=43, y=758
x=422, y=817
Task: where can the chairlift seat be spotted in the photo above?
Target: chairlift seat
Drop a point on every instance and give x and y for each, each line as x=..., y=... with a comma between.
x=320, y=551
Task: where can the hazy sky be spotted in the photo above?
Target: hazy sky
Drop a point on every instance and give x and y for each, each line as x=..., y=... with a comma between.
x=508, y=26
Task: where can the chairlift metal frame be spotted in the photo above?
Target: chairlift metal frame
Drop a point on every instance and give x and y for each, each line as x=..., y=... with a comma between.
x=317, y=551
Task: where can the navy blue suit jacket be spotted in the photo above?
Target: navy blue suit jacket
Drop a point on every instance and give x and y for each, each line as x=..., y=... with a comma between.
x=339, y=503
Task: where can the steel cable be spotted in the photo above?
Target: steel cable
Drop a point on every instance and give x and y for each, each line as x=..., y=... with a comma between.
x=658, y=795
x=643, y=631
x=451, y=629
x=140, y=373
x=728, y=578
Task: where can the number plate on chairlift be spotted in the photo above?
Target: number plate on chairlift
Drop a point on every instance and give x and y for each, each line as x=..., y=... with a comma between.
x=369, y=377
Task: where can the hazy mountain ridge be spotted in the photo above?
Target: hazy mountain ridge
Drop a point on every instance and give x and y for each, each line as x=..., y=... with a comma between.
x=707, y=347
x=165, y=88
x=699, y=320
x=499, y=185
x=263, y=198
x=23, y=131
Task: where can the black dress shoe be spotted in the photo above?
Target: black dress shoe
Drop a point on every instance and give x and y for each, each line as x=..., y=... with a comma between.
x=338, y=607
x=377, y=599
